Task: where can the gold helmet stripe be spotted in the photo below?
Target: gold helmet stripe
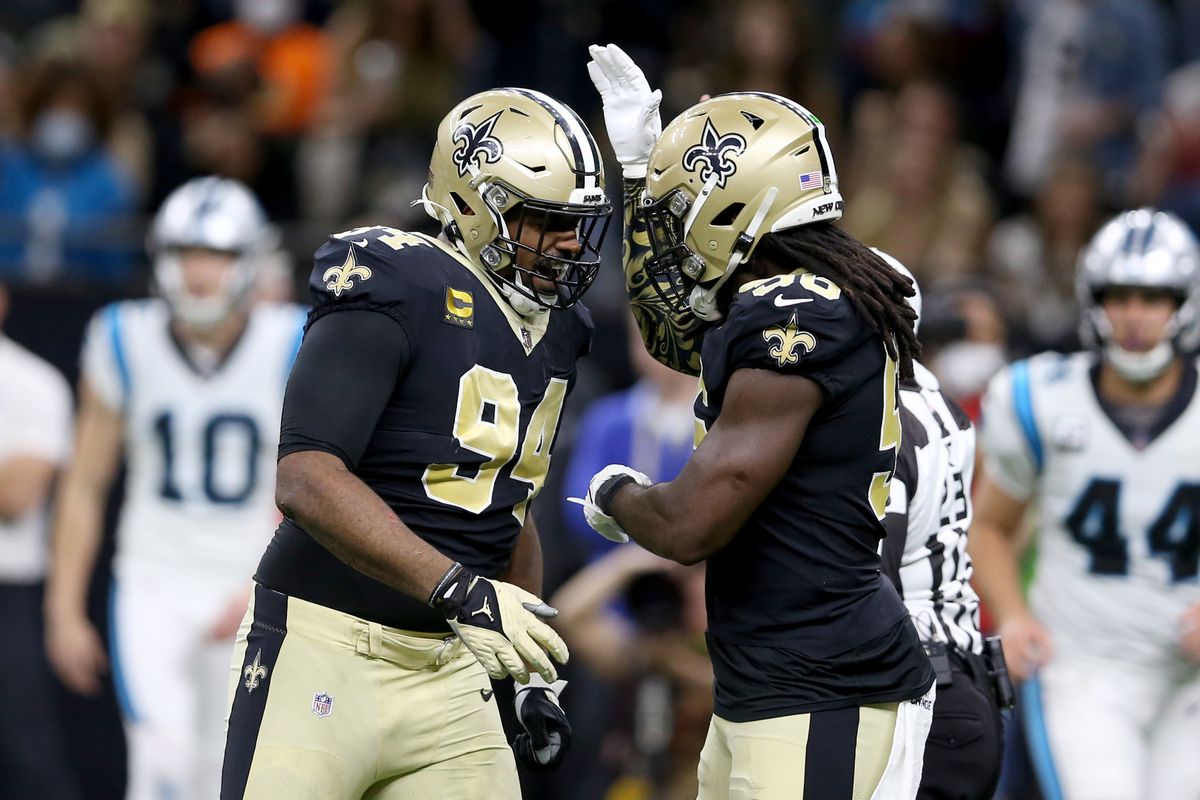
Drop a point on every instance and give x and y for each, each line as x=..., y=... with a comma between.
x=583, y=146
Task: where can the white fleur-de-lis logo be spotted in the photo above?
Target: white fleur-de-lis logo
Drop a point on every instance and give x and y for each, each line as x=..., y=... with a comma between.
x=476, y=145
x=788, y=338
x=256, y=673
x=341, y=279
x=711, y=155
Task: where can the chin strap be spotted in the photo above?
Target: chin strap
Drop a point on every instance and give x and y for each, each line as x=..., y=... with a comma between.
x=521, y=303
x=1140, y=367
x=703, y=300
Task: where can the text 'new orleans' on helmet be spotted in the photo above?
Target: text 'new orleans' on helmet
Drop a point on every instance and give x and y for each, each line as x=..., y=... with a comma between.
x=510, y=158
x=723, y=174
x=1148, y=249
x=210, y=213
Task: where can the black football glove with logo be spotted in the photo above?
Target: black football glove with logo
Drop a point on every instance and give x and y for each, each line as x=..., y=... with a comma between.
x=547, y=733
x=501, y=624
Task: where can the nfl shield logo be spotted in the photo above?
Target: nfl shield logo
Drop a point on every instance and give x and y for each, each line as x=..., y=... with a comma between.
x=322, y=704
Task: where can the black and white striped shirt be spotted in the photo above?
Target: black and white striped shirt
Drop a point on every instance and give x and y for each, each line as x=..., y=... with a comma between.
x=929, y=514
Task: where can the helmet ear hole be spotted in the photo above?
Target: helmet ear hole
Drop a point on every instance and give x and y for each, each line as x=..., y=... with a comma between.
x=728, y=214
x=461, y=205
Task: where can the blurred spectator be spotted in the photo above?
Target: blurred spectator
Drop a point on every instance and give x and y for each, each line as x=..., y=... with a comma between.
x=269, y=53
x=930, y=206
x=399, y=67
x=656, y=658
x=1170, y=174
x=113, y=38
x=1091, y=71
x=35, y=435
x=1033, y=255
x=1187, y=29
x=649, y=426
x=64, y=201
x=776, y=48
x=261, y=79
x=8, y=87
x=963, y=334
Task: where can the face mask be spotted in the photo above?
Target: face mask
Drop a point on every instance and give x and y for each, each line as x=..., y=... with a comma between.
x=964, y=368
x=62, y=134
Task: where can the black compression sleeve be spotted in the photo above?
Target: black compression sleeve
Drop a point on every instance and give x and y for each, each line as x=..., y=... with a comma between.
x=343, y=377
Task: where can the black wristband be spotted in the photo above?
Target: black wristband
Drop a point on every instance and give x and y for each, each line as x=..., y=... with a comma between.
x=608, y=491
x=451, y=591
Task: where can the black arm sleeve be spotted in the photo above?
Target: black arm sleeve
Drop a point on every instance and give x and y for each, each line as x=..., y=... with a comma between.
x=343, y=377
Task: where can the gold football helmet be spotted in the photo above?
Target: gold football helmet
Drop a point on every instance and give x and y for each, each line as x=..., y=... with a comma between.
x=723, y=174
x=509, y=158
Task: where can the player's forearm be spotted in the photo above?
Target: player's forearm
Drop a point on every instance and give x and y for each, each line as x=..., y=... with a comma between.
x=672, y=338
x=24, y=485
x=342, y=513
x=75, y=542
x=997, y=573
x=666, y=520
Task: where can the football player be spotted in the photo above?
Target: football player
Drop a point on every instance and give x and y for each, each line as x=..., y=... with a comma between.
x=1103, y=444
x=417, y=429
x=925, y=555
x=822, y=689
x=187, y=387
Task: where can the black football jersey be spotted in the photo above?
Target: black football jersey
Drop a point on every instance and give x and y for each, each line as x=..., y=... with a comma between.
x=799, y=616
x=463, y=445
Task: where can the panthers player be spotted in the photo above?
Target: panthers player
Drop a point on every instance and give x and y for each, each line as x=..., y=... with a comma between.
x=1103, y=445
x=925, y=556
x=814, y=658
x=187, y=387
x=417, y=430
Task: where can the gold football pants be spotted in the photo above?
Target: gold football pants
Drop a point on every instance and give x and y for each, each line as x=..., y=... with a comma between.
x=327, y=706
x=825, y=755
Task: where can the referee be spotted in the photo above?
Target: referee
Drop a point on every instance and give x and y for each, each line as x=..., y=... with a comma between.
x=925, y=555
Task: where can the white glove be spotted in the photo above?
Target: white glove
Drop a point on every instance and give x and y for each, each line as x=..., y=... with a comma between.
x=630, y=108
x=601, y=522
x=501, y=624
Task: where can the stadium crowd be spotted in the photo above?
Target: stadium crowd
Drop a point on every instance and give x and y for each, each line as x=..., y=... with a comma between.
x=980, y=142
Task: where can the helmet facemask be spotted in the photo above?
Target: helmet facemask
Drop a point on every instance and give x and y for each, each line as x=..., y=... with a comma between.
x=672, y=267
x=571, y=273
x=205, y=312
x=512, y=170
x=1141, y=249
x=1140, y=366
x=215, y=216
x=724, y=174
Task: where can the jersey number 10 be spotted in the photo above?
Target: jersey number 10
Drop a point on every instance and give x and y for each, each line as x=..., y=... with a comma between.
x=226, y=490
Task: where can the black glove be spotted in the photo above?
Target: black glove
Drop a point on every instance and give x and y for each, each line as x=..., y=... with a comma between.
x=547, y=733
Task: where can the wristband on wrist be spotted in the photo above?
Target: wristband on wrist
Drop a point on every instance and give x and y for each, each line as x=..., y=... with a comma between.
x=608, y=492
x=451, y=590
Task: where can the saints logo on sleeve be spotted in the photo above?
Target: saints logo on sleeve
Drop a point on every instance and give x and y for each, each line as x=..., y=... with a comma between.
x=341, y=279
x=787, y=340
x=797, y=323
x=369, y=267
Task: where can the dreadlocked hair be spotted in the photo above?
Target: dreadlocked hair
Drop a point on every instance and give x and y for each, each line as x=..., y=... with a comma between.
x=876, y=290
